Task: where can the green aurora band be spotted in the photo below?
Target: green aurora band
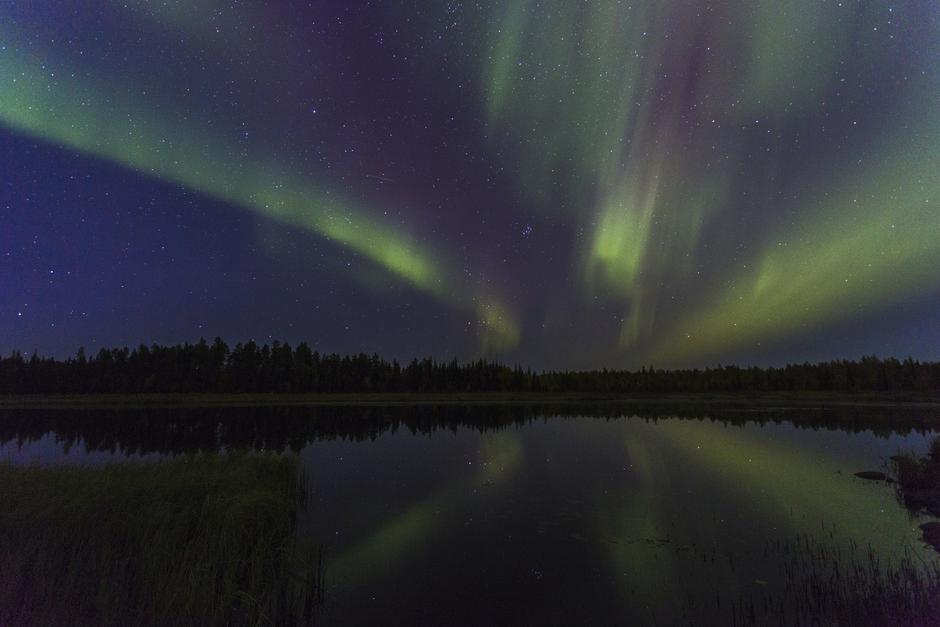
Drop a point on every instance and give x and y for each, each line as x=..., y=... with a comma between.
x=654, y=132
x=647, y=109
x=48, y=100
x=859, y=254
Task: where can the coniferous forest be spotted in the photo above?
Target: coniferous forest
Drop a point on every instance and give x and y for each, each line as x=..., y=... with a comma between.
x=214, y=367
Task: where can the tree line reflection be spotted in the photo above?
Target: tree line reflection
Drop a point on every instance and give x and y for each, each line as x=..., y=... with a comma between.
x=169, y=430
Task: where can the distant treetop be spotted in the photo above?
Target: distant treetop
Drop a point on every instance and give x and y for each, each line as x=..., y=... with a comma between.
x=248, y=367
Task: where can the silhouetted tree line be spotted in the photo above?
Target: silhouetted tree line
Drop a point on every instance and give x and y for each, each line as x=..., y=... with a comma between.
x=248, y=367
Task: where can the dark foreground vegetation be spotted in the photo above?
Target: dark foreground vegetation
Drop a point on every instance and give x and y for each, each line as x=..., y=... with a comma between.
x=826, y=585
x=918, y=482
x=249, y=368
x=918, y=479
x=195, y=541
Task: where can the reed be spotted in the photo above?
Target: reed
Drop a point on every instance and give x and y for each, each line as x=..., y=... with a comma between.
x=826, y=584
x=202, y=540
x=918, y=479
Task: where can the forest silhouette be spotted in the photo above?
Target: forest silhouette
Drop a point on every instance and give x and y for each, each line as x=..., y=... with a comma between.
x=279, y=368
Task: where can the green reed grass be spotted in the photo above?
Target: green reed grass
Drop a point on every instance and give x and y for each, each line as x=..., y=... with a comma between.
x=205, y=540
x=821, y=581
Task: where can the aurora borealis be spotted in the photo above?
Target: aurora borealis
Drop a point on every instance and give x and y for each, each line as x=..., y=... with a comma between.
x=561, y=184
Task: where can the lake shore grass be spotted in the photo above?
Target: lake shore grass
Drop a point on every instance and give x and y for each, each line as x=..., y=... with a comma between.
x=206, y=540
x=827, y=584
x=918, y=485
x=770, y=399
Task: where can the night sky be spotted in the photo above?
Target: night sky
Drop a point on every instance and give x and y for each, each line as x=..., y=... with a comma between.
x=557, y=183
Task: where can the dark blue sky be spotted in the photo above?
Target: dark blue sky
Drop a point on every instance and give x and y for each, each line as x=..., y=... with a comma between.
x=557, y=184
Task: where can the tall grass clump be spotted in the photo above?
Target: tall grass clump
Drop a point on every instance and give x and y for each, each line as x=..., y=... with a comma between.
x=828, y=585
x=206, y=540
x=913, y=473
x=918, y=479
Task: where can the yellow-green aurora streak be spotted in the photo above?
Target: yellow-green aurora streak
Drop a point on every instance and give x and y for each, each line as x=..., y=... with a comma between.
x=645, y=106
x=48, y=100
x=712, y=179
x=875, y=237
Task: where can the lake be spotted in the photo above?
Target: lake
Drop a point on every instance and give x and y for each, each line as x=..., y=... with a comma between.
x=595, y=514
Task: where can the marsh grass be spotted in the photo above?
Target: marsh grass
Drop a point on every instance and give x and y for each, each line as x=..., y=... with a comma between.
x=918, y=479
x=821, y=582
x=205, y=540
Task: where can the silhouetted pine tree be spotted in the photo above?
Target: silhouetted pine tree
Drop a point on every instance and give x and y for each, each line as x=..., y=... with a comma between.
x=204, y=367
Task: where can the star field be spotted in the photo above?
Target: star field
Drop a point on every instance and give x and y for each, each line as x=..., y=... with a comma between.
x=562, y=184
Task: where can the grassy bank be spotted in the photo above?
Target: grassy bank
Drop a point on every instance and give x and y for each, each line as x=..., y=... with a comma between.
x=197, y=541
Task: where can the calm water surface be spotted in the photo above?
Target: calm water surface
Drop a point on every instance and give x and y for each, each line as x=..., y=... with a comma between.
x=429, y=518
